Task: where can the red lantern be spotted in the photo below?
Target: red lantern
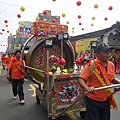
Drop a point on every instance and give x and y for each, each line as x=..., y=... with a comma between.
x=7, y=31
x=79, y=16
x=82, y=28
x=5, y=21
x=3, y=30
x=0, y=33
x=62, y=61
x=45, y=12
x=105, y=18
x=79, y=61
x=21, y=27
x=80, y=23
x=53, y=20
x=19, y=16
x=78, y=3
x=110, y=8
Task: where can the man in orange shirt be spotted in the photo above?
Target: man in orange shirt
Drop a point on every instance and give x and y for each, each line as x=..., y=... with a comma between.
x=17, y=75
x=98, y=103
x=3, y=58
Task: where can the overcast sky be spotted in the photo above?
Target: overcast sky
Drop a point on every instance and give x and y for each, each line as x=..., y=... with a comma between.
x=10, y=8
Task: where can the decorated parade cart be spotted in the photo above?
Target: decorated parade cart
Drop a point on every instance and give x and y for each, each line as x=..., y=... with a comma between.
x=50, y=63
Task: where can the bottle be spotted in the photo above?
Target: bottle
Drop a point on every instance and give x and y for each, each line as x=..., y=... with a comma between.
x=58, y=70
x=75, y=68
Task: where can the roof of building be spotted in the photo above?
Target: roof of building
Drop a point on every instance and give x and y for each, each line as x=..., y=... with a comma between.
x=96, y=33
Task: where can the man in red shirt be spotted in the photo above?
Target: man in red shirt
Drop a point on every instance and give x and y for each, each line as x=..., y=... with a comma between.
x=17, y=75
x=99, y=103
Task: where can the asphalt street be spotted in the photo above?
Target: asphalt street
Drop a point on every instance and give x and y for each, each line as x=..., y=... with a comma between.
x=11, y=109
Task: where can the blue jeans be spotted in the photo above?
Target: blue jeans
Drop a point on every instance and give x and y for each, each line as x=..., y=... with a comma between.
x=97, y=110
x=17, y=88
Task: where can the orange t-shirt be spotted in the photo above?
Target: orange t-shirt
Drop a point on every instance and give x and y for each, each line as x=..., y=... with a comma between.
x=15, y=73
x=100, y=95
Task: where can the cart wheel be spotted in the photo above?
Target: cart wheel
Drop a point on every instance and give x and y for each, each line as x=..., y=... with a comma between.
x=82, y=114
x=37, y=100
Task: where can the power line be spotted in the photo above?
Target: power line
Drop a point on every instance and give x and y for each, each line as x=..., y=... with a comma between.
x=18, y=5
x=15, y=13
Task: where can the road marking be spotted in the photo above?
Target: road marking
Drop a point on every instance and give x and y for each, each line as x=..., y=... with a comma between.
x=72, y=116
x=32, y=89
x=36, y=85
x=25, y=79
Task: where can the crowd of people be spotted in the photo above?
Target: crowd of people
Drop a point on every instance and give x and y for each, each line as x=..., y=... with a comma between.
x=12, y=63
x=89, y=55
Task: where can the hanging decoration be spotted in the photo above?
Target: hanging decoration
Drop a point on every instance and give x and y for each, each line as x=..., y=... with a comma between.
x=20, y=27
x=105, y=18
x=22, y=23
x=10, y=34
x=80, y=23
x=110, y=8
x=5, y=21
x=78, y=3
x=73, y=31
x=45, y=12
x=53, y=0
x=79, y=16
x=22, y=8
x=1, y=33
x=17, y=31
x=7, y=31
x=93, y=18
x=19, y=16
x=82, y=28
x=96, y=6
x=67, y=22
x=92, y=24
x=73, y=28
x=63, y=15
x=37, y=18
x=3, y=30
x=6, y=25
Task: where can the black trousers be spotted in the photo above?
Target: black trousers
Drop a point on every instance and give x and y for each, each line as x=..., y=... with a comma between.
x=97, y=110
x=17, y=88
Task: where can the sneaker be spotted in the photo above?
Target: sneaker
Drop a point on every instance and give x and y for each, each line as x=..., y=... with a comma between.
x=14, y=97
x=22, y=102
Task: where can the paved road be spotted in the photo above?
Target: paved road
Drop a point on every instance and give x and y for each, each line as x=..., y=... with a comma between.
x=11, y=110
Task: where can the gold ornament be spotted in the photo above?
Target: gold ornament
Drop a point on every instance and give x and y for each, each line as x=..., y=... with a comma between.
x=37, y=18
x=92, y=24
x=22, y=9
x=63, y=15
x=6, y=25
x=93, y=18
x=73, y=28
x=96, y=6
x=67, y=22
x=22, y=23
